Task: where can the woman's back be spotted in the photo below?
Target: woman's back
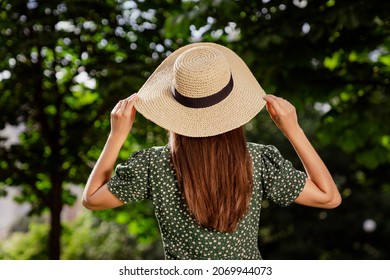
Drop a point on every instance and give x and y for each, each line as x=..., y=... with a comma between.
x=148, y=174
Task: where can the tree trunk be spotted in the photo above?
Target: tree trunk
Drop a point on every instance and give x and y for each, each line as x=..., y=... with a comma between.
x=55, y=218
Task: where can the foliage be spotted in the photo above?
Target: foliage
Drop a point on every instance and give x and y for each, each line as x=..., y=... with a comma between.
x=87, y=237
x=30, y=245
x=139, y=220
x=329, y=58
x=59, y=63
x=92, y=238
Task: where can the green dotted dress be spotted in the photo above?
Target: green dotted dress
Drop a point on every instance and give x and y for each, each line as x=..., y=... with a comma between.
x=148, y=174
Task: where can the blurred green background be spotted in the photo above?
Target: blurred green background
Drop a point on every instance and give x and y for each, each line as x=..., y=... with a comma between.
x=64, y=64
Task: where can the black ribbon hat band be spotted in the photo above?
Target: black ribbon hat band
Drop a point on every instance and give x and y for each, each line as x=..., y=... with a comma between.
x=203, y=102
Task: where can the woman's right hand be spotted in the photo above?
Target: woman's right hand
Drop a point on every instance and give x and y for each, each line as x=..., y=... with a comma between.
x=283, y=113
x=96, y=194
x=123, y=116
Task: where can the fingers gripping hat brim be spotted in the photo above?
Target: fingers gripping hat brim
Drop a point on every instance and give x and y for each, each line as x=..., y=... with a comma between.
x=157, y=103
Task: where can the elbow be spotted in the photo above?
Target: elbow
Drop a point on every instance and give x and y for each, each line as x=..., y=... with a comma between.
x=88, y=205
x=334, y=201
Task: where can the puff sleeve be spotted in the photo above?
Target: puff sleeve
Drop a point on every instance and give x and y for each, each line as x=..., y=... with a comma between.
x=282, y=183
x=131, y=180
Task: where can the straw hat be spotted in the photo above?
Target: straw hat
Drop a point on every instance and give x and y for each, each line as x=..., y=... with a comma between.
x=200, y=90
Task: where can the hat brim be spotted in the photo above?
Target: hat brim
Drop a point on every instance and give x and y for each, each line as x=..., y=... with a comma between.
x=156, y=103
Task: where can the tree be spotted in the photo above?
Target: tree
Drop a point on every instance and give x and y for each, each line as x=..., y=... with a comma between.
x=64, y=64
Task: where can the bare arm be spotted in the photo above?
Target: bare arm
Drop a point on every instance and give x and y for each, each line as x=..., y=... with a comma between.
x=320, y=190
x=96, y=195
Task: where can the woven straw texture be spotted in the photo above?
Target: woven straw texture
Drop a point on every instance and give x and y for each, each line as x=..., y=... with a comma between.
x=200, y=70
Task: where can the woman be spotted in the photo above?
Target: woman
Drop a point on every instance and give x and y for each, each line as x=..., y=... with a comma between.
x=207, y=184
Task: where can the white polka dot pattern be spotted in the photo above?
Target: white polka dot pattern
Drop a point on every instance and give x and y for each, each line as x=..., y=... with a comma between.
x=149, y=175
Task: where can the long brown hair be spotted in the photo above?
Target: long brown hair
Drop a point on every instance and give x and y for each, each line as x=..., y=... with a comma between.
x=215, y=176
